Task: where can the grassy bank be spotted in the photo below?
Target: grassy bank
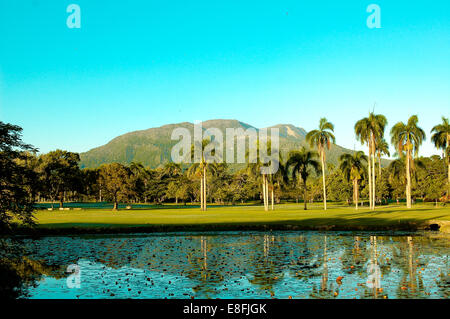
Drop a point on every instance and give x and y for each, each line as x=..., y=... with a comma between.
x=289, y=216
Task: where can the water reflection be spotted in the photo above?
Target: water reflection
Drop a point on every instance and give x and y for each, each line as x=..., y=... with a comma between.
x=237, y=265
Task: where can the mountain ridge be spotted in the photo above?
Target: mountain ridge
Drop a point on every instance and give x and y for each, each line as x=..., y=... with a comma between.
x=152, y=146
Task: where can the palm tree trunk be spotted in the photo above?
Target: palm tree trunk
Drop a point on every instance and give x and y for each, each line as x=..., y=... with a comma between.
x=204, y=188
x=264, y=191
x=201, y=193
x=323, y=181
x=408, y=180
x=356, y=193
x=370, y=180
x=448, y=181
x=373, y=180
x=272, y=197
x=379, y=166
x=448, y=163
x=267, y=193
x=304, y=195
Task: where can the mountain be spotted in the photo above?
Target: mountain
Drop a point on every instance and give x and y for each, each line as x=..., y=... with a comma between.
x=152, y=147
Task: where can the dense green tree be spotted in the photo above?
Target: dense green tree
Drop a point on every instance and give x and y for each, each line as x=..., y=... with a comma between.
x=91, y=185
x=138, y=178
x=441, y=139
x=60, y=173
x=116, y=183
x=15, y=177
x=431, y=179
x=353, y=167
x=384, y=188
x=302, y=163
x=339, y=187
x=398, y=175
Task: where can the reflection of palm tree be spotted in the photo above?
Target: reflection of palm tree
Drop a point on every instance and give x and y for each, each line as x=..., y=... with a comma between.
x=354, y=256
x=373, y=268
x=204, y=270
x=411, y=283
x=326, y=287
x=266, y=270
x=324, y=280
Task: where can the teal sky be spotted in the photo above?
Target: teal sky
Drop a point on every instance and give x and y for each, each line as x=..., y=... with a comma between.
x=141, y=64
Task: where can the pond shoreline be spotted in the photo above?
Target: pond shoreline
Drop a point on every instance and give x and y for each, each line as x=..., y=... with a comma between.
x=430, y=225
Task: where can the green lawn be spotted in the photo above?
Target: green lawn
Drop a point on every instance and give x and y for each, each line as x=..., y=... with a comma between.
x=286, y=216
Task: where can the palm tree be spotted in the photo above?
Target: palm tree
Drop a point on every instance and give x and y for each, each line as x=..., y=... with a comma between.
x=279, y=178
x=368, y=130
x=254, y=169
x=322, y=139
x=382, y=148
x=441, y=139
x=397, y=169
x=353, y=167
x=200, y=169
x=408, y=138
x=301, y=163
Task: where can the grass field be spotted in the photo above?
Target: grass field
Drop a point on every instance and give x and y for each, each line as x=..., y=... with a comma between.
x=285, y=216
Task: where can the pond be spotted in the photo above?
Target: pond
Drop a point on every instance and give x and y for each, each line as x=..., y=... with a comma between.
x=280, y=264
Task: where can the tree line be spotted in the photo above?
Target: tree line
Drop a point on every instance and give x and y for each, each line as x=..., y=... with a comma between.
x=304, y=175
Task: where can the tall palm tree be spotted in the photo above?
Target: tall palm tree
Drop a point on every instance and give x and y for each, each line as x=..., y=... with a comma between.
x=368, y=130
x=382, y=148
x=353, y=168
x=407, y=138
x=441, y=139
x=199, y=169
x=322, y=139
x=254, y=169
x=302, y=163
x=397, y=169
x=279, y=178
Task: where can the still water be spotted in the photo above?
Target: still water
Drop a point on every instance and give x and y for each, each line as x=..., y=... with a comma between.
x=240, y=265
